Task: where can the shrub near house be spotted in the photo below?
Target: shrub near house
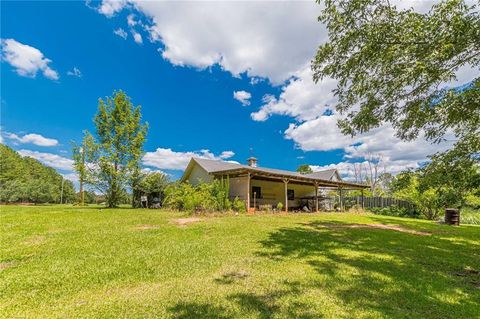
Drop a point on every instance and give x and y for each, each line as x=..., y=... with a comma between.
x=203, y=197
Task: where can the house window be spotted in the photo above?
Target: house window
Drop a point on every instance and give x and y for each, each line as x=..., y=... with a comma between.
x=257, y=190
x=290, y=194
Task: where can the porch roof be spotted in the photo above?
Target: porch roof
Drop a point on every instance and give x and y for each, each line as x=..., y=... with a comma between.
x=219, y=168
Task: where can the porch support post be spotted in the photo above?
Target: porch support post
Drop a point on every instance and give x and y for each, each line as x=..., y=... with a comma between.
x=363, y=201
x=341, y=198
x=316, y=196
x=285, y=181
x=248, y=192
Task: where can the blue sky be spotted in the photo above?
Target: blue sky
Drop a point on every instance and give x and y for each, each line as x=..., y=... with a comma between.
x=183, y=63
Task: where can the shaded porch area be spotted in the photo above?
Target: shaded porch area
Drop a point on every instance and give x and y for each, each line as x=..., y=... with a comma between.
x=262, y=189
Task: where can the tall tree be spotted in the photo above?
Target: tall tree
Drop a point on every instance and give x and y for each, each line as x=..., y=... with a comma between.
x=453, y=175
x=79, y=163
x=113, y=155
x=392, y=66
x=304, y=169
x=372, y=170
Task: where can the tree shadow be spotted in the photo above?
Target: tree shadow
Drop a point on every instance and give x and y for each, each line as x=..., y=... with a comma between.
x=392, y=273
x=271, y=304
x=194, y=310
x=266, y=305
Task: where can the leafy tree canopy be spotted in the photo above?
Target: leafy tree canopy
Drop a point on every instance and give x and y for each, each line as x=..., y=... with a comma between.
x=392, y=66
x=113, y=156
x=153, y=182
x=304, y=169
x=24, y=179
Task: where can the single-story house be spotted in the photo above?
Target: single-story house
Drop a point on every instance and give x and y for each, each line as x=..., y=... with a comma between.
x=266, y=186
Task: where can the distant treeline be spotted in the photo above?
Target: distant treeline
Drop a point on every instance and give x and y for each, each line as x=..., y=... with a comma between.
x=24, y=179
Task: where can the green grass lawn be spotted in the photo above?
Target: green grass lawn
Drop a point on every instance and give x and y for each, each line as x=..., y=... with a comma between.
x=64, y=262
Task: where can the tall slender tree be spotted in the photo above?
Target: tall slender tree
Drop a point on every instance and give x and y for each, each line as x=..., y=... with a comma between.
x=79, y=154
x=113, y=155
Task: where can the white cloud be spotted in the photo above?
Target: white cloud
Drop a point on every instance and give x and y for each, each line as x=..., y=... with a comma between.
x=147, y=170
x=300, y=98
x=137, y=37
x=226, y=154
x=71, y=177
x=75, y=72
x=32, y=138
x=264, y=39
x=165, y=158
x=243, y=97
x=322, y=134
x=53, y=160
x=131, y=20
x=274, y=41
x=255, y=80
x=121, y=33
x=27, y=60
x=110, y=7
x=345, y=169
x=319, y=134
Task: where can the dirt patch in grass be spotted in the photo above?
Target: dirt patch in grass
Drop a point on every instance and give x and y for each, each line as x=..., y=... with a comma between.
x=232, y=276
x=186, y=221
x=6, y=264
x=146, y=227
x=379, y=226
x=34, y=241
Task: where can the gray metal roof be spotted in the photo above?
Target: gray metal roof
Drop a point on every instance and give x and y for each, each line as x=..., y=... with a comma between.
x=212, y=166
x=325, y=174
x=222, y=167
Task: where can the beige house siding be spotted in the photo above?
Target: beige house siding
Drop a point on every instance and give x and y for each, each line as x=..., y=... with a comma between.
x=199, y=175
x=274, y=193
x=273, y=189
x=238, y=187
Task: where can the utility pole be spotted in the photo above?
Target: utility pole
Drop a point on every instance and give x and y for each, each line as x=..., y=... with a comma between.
x=82, y=175
x=61, y=194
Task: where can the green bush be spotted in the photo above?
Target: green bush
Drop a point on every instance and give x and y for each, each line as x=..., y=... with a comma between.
x=238, y=205
x=280, y=206
x=221, y=193
x=470, y=216
x=204, y=197
x=396, y=211
x=265, y=208
x=473, y=201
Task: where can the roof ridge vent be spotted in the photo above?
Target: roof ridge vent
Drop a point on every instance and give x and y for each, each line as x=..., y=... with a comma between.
x=252, y=161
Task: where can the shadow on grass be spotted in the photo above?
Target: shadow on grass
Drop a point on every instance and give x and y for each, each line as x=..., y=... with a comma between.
x=391, y=273
x=251, y=305
x=368, y=272
x=197, y=311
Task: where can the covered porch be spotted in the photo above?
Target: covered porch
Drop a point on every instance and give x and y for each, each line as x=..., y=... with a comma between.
x=260, y=189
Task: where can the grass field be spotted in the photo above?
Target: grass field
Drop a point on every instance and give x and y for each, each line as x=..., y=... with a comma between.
x=61, y=262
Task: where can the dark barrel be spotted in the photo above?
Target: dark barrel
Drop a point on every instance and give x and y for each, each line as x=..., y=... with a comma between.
x=452, y=216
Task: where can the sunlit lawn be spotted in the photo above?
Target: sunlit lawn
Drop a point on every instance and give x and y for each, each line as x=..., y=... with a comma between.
x=63, y=262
